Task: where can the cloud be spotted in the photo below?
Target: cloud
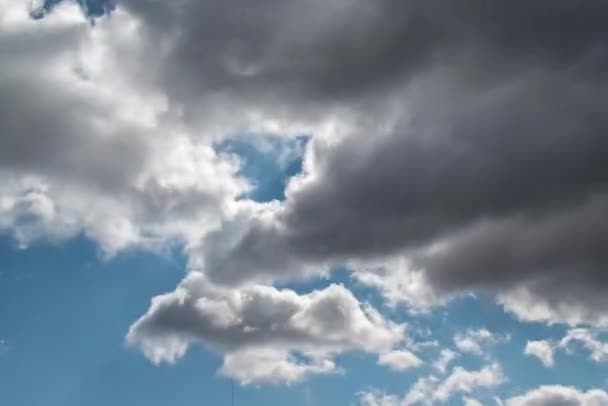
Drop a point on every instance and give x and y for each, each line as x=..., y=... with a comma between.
x=534, y=302
x=575, y=339
x=431, y=390
x=398, y=282
x=422, y=392
x=550, y=395
x=464, y=381
x=375, y=398
x=541, y=349
x=559, y=395
x=270, y=366
x=399, y=360
x=475, y=341
x=446, y=356
x=268, y=335
x=589, y=340
x=4, y=346
x=471, y=402
x=91, y=145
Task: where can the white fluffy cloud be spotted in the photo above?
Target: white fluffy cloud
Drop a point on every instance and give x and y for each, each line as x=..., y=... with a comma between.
x=589, y=340
x=476, y=341
x=431, y=390
x=398, y=281
x=268, y=335
x=446, y=356
x=575, y=339
x=560, y=395
x=541, y=349
x=471, y=402
x=551, y=395
x=464, y=381
x=400, y=360
x=91, y=145
x=272, y=366
x=528, y=306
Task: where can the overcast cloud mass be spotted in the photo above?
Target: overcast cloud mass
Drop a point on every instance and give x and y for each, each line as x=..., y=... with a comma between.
x=452, y=147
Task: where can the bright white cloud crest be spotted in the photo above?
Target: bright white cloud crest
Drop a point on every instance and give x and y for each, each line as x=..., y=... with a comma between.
x=541, y=349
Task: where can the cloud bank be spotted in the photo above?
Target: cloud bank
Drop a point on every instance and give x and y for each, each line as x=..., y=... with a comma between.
x=453, y=147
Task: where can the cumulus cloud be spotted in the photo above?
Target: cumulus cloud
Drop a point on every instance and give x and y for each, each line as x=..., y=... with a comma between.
x=471, y=402
x=91, y=145
x=400, y=360
x=575, y=340
x=431, y=390
x=541, y=349
x=376, y=398
x=271, y=366
x=542, y=396
x=589, y=340
x=268, y=335
x=398, y=282
x=535, y=303
x=464, y=381
x=446, y=356
x=560, y=395
x=476, y=341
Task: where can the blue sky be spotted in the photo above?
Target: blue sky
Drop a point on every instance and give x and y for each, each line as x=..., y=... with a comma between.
x=313, y=203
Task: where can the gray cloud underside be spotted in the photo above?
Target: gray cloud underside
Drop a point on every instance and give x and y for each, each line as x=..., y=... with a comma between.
x=331, y=51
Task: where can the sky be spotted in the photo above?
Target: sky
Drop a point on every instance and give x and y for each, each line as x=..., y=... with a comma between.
x=311, y=202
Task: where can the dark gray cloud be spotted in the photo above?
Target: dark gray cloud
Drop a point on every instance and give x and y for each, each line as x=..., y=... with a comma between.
x=492, y=153
x=326, y=51
x=311, y=51
x=39, y=137
x=568, y=246
x=520, y=163
x=481, y=129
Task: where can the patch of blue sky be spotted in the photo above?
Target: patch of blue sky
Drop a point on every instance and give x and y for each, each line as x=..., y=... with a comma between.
x=267, y=160
x=92, y=8
x=64, y=314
